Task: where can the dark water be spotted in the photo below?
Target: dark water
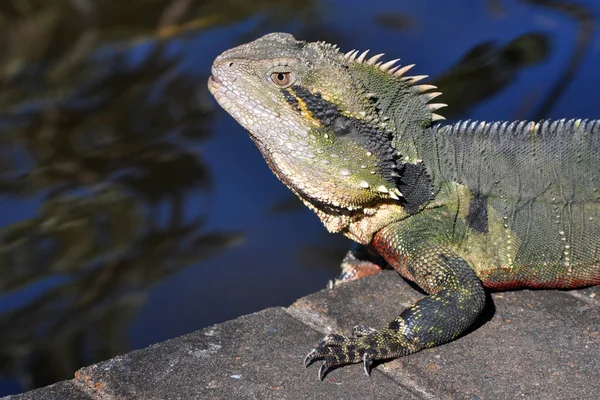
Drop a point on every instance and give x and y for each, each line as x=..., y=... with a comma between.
x=133, y=210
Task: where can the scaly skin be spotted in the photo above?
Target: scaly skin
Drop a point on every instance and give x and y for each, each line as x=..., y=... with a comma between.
x=456, y=209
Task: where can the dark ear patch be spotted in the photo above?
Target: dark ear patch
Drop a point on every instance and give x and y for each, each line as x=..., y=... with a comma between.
x=291, y=99
x=342, y=126
x=415, y=185
x=368, y=135
x=412, y=180
x=477, y=218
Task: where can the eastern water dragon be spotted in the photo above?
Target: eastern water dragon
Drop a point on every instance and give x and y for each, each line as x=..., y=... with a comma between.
x=457, y=209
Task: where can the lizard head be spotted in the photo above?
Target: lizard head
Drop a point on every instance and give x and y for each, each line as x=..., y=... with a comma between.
x=325, y=121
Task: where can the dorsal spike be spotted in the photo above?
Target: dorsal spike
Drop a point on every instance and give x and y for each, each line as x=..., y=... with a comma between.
x=436, y=117
x=388, y=65
x=414, y=79
x=436, y=106
x=430, y=96
x=374, y=59
x=424, y=88
x=361, y=58
x=403, y=70
x=353, y=55
x=348, y=54
x=392, y=70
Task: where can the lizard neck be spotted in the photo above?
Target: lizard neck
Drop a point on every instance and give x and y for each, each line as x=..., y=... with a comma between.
x=359, y=225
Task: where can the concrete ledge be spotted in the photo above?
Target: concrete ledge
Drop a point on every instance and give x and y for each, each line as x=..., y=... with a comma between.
x=536, y=344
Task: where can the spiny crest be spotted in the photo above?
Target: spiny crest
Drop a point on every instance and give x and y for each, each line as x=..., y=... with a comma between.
x=399, y=73
x=328, y=46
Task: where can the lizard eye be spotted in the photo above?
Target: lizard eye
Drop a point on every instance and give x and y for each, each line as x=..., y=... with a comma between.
x=281, y=79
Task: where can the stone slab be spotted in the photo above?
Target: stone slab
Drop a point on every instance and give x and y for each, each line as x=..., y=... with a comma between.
x=258, y=356
x=535, y=344
x=532, y=344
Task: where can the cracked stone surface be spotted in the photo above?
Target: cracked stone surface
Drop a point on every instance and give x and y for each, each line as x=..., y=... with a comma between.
x=531, y=344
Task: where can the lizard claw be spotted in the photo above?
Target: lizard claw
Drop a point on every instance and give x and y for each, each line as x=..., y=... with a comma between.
x=322, y=372
x=367, y=361
x=310, y=357
x=336, y=350
x=328, y=363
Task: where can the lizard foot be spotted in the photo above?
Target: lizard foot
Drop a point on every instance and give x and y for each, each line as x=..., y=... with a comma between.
x=365, y=345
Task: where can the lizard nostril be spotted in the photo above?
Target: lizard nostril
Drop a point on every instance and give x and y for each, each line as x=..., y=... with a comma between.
x=231, y=64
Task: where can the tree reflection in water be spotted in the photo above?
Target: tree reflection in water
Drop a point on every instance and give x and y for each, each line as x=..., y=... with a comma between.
x=97, y=133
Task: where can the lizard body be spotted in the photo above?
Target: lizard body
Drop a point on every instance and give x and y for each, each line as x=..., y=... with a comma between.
x=454, y=208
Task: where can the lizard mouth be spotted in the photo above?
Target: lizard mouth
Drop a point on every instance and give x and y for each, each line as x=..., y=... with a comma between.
x=213, y=82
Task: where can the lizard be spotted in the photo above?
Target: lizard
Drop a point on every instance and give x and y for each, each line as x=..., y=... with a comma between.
x=459, y=209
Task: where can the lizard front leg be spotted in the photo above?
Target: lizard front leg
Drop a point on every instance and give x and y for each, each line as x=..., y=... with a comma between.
x=420, y=248
x=360, y=261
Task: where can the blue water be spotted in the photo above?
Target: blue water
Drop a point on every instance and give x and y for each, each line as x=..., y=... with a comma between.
x=129, y=297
